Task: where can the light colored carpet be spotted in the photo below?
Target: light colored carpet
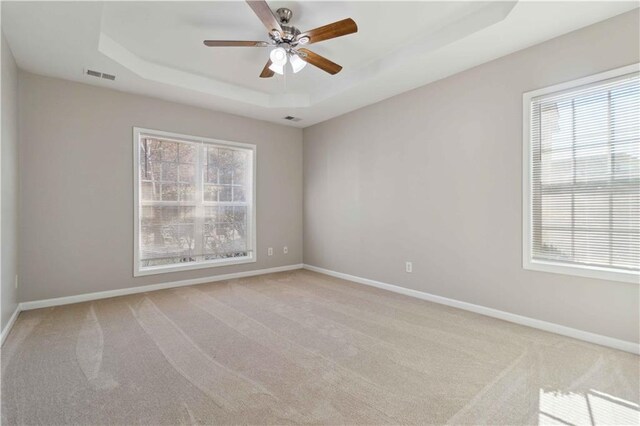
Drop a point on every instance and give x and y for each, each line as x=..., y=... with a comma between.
x=300, y=347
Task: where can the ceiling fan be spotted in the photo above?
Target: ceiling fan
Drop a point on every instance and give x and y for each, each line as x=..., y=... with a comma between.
x=286, y=41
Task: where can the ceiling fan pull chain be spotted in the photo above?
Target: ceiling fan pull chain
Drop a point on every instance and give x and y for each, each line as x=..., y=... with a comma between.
x=284, y=79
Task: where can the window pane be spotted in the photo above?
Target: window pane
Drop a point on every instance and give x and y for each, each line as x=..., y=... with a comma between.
x=153, y=146
x=591, y=248
x=211, y=192
x=240, y=167
x=166, y=235
x=211, y=174
x=238, y=193
x=187, y=192
x=225, y=193
x=156, y=171
x=556, y=210
x=149, y=191
x=188, y=153
x=625, y=208
x=591, y=210
x=169, y=192
x=225, y=231
x=187, y=173
x=169, y=172
x=169, y=151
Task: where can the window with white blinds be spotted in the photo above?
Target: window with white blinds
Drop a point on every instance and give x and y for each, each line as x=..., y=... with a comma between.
x=194, y=202
x=582, y=180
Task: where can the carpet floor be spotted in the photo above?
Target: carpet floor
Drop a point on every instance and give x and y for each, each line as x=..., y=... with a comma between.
x=300, y=347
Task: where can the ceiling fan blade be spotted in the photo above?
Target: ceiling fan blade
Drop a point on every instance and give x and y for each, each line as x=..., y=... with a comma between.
x=262, y=9
x=319, y=61
x=235, y=43
x=337, y=29
x=266, y=72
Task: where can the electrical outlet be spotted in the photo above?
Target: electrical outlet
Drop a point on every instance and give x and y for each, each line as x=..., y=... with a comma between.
x=285, y=250
x=408, y=267
x=270, y=251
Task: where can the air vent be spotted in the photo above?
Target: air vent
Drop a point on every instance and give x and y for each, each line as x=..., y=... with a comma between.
x=99, y=74
x=292, y=118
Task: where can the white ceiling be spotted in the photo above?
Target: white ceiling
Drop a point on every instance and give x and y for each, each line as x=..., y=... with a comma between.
x=155, y=48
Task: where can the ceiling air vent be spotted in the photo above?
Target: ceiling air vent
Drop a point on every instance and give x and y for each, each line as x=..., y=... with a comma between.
x=100, y=74
x=292, y=118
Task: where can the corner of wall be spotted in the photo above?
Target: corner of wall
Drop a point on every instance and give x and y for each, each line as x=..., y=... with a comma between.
x=9, y=185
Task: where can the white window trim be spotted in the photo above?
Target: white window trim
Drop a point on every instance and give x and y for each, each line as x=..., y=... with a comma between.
x=549, y=266
x=153, y=270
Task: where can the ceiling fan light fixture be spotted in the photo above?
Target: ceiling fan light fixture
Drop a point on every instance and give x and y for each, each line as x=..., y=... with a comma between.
x=277, y=68
x=297, y=63
x=278, y=56
x=287, y=41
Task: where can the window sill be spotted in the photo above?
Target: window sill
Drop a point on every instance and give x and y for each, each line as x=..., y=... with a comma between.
x=582, y=271
x=155, y=270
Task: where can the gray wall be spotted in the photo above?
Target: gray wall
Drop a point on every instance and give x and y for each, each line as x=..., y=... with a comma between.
x=433, y=176
x=77, y=185
x=9, y=181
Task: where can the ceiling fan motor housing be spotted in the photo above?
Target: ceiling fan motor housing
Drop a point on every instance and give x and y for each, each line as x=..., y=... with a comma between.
x=289, y=33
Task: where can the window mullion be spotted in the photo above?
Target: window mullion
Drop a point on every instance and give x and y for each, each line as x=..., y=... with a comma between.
x=611, y=172
x=573, y=169
x=199, y=210
x=536, y=244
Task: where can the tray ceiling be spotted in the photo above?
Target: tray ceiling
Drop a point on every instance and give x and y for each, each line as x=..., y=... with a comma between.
x=155, y=48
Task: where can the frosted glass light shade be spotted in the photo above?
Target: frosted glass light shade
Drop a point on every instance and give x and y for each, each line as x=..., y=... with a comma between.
x=278, y=56
x=297, y=63
x=277, y=68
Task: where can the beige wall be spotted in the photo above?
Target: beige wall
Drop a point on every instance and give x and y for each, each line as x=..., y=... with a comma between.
x=9, y=183
x=433, y=176
x=77, y=185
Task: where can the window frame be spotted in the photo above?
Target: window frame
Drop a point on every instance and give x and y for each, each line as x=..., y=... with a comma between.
x=178, y=137
x=528, y=263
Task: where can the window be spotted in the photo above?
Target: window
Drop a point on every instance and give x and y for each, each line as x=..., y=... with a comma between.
x=582, y=177
x=194, y=202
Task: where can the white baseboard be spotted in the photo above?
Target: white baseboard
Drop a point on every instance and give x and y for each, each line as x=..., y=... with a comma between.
x=9, y=326
x=36, y=304
x=495, y=313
